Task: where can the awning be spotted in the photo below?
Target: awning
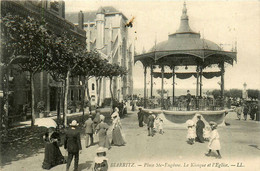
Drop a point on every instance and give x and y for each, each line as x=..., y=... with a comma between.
x=186, y=75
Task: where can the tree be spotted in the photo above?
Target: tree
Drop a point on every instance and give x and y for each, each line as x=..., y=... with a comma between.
x=253, y=93
x=66, y=54
x=159, y=91
x=235, y=93
x=89, y=66
x=26, y=41
x=111, y=71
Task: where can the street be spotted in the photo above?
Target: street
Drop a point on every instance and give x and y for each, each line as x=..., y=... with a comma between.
x=239, y=141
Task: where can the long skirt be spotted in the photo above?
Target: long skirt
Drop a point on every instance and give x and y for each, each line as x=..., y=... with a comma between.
x=117, y=138
x=199, y=137
x=52, y=156
x=103, y=139
x=215, y=145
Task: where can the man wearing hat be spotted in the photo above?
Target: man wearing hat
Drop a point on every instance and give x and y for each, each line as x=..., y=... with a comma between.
x=199, y=129
x=188, y=99
x=150, y=123
x=73, y=145
x=89, y=130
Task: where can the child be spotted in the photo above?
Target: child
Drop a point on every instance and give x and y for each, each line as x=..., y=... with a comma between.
x=214, y=143
x=161, y=126
x=156, y=123
x=191, y=134
x=206, y=133
x=101, y=160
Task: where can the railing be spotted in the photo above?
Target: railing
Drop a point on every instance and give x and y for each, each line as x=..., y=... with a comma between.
x=182, y=105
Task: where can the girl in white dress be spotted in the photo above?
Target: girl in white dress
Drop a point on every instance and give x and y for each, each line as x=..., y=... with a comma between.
x=191, y=132
x=214, y=143
x=206, y=133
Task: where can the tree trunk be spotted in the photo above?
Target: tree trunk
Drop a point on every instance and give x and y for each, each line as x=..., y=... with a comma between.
x=97, y=88
x=58, y=105
x=99, y=91
x=32, y=101
x=62, y=99
x=111, y=91
x=88, y=95
x=66, y=91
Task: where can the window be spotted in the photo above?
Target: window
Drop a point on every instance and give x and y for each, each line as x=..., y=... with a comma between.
x=80, y=95
x=93, y=86
x=71, y=95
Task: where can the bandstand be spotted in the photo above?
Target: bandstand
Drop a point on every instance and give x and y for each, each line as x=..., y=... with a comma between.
x=185, y=48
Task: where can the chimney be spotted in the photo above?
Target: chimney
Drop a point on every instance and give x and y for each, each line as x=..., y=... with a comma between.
x=81, y=20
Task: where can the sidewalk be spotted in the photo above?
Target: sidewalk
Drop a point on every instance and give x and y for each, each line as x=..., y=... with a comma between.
x=240, y=143
x=22, y=124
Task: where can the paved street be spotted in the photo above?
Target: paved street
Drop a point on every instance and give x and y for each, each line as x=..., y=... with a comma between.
x=240, y=147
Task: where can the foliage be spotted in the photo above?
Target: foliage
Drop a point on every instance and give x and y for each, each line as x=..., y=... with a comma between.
x=234, y=93
x=25, y=41
x=25, y=37
x=159, y=91
x=253, y=93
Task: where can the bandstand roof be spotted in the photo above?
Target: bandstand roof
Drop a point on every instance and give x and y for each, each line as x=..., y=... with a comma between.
x=186, y=47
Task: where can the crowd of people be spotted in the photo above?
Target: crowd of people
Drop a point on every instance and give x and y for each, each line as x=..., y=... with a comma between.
x=244, y=108
x=95, y=126
x=154, y=123
x=72, y=141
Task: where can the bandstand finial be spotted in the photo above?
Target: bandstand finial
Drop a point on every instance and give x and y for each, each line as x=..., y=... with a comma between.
x=184, y=25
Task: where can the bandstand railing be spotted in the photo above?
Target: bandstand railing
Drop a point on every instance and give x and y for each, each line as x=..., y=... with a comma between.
x=181, y=105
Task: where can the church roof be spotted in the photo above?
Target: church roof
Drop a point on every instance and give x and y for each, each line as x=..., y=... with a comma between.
x=91, y=15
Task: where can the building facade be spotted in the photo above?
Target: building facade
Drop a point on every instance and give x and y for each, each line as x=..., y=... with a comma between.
x=46, y=89
x=106, y=31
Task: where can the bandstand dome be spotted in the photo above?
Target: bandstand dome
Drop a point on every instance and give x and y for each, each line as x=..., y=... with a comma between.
x=186, y=47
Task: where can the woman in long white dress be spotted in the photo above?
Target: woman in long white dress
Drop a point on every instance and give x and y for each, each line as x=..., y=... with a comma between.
x=117, y=137
x=214, y=143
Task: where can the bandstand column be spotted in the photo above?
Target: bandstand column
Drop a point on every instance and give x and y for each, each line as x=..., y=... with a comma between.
x=197, y=88
x=173, y=84
x=201, y=81
x=151, y=81
x=197, y=84
x=222, y=81
x=145, y=86
x=162, y=88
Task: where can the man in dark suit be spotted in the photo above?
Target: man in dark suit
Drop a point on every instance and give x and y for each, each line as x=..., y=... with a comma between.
x=150, y=124
x=73, y=145
x=140, y=117
x=89, y=130
x=199, y=129
x=188, y=100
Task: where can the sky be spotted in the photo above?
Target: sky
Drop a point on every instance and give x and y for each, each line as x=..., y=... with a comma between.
x=223, y=22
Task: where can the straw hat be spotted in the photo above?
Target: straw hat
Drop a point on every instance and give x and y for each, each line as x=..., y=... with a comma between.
x=190, y=122
x=213, y=123
x=198, y=115
x=101, y=150
x=74, y=123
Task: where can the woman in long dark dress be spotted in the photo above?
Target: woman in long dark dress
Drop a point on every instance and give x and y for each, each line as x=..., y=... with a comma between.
x=101, y=129
x=52, y=155
x=199, y=129
x=117, y=138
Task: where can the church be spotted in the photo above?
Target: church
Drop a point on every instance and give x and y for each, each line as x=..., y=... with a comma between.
x=107, y=31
